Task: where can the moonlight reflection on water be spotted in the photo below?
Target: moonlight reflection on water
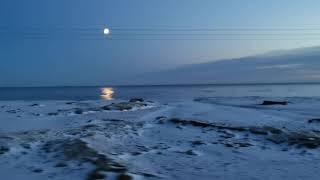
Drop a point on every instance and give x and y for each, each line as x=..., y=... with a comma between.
x=107, y=93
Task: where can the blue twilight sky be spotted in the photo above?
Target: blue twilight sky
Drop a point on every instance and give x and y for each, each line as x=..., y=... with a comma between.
x=60, y=42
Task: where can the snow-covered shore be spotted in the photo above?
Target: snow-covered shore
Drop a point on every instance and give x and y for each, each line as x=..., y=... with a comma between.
x=205, y=138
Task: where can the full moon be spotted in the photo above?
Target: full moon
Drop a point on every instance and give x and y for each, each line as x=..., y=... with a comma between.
x=106, y=31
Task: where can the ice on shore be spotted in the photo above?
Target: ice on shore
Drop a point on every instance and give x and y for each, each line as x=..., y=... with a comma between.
x=207, y=138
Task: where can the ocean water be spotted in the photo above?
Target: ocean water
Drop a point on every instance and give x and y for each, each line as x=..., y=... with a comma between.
x=159, y=93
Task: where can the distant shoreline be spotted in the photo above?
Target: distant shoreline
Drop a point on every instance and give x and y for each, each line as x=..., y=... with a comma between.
x=170, y=85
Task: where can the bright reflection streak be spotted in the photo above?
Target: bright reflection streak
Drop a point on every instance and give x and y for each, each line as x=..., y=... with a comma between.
x=107, y=93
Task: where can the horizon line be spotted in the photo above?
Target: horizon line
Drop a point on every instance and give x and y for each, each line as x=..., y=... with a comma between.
x=155, y=85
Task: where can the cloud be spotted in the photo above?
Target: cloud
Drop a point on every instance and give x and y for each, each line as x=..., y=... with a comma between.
x=280, y=66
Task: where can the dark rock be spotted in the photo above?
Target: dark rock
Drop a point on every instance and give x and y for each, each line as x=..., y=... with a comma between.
x=149, y=175
x=301, y=139
x=118, y=107
x=61, y=164
x=161, y=117
x=94, y=175
x=275, y=135
x=277, y=138
x=34, y=105
x=272, y=130
x=4, y=149
x=190, y=122
x=12, y=111
x=202, y=124
x=136, y=153
x=38, y=170
x=77, y=149
x=314, y=120
x=258, y=130
x=191, y=153
x=78, y=111
x=123, y=106
x=226, y=136
x=197, y=143
x=53, y=114
x=269, y=103
x=25, y=145
x=116, y=168
x=124, y=177
x=305, y=140
x=134, y=100
x=243, y=144
x=228, y=145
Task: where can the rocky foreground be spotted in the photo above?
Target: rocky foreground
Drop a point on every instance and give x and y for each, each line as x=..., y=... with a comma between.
x=208, y=138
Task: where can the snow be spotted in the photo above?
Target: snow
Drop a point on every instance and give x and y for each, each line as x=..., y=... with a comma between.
x=149, y=145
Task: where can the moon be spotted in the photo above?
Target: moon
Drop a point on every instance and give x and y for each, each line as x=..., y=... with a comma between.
x=106, y=31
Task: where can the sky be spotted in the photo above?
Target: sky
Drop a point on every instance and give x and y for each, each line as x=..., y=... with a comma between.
x=61, y=42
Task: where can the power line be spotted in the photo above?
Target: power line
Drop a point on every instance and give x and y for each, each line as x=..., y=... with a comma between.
x=163, y=34
x=160, y=29
x=215, y=29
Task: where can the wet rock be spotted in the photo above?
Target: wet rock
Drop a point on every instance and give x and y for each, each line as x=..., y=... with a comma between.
x=269, y=103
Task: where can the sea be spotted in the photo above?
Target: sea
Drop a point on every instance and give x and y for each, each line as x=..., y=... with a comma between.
x=162, y=93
